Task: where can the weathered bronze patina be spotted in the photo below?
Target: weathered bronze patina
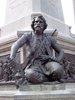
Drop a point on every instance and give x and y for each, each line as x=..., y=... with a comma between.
x=40, y=65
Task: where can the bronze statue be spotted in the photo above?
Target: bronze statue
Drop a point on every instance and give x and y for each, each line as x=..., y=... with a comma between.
x=40, y=65
x=7, y=72
x=1, y=70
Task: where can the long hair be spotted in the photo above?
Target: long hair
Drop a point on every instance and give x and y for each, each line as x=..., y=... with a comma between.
x=42, y=18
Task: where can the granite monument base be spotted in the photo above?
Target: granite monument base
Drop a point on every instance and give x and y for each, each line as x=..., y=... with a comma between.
x=64, y=91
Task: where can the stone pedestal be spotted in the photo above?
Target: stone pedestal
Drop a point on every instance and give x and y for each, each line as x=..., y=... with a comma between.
x=46, y=92
x=38, y=92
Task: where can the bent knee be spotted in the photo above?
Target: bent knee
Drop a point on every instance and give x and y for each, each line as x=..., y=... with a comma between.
x=29, y=73
x=56, y=75
x=34, y=76
x=31, y=76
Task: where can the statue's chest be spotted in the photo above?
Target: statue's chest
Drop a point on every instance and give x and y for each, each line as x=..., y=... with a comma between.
x=40, y=42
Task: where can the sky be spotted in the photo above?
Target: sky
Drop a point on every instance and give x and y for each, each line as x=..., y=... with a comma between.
x=67, y=10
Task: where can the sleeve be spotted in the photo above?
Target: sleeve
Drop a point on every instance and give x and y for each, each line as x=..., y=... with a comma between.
x=19, y=43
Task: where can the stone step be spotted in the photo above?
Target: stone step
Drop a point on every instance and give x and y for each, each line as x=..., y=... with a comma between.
x=45, y=95
x=48, y=87
x=64, y=91
x=9, y=85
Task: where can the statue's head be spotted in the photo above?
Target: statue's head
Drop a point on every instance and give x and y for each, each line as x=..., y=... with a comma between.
x=39, y=22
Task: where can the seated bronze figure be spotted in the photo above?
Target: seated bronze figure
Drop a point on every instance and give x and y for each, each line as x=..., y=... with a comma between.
x=40, y=65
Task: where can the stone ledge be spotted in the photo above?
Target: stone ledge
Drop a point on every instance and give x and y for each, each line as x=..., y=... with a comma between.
x=64, y=91
x=8, y=39
x=7, y=86
x=44, y=94
x=7, y=95
x=50, y=86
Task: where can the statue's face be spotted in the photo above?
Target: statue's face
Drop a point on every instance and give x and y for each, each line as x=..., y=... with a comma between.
x=38, y=24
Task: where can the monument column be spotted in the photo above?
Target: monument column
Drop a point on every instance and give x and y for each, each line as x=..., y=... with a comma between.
x=17, y=9
x=20, y=8
x=20, y=12
x=50, y=7
x=74, y=8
